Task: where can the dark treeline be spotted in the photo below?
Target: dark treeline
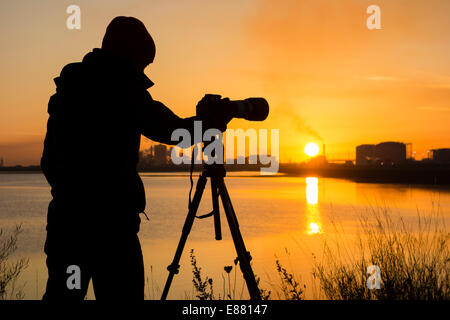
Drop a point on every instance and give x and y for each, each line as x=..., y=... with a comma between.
x=418, y=173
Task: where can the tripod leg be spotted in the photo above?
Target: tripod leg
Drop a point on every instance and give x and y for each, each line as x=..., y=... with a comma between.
x=174, y=266
x=243, y=255
x=216, y=210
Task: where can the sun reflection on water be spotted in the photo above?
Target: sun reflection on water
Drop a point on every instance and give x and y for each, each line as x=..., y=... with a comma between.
x=314, y=225
x=312, y=190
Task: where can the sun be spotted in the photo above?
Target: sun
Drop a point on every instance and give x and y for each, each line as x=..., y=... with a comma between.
x=312, y=149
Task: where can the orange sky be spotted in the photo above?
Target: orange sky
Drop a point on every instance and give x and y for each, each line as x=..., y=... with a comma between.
x=326, y=76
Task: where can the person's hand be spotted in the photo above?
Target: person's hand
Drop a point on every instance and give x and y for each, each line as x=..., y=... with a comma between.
x=214, y=112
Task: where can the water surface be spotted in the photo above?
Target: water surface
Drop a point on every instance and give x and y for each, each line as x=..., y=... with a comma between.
x=276, y=215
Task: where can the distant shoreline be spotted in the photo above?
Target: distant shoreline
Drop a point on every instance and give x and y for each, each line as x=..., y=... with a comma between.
x=417, y=174
x=20, y=169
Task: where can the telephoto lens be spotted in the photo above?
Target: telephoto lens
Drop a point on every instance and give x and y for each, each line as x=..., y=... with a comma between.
x=213, y=107
x=252, y=109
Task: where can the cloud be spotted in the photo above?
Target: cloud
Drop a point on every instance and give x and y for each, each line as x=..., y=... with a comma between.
x=439, y=86
x=382, y=78
x=434, y=108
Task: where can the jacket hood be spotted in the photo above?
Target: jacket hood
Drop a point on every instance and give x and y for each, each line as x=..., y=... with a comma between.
x=105, y=63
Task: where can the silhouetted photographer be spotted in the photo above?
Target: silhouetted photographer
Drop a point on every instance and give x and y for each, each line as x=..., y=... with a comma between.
x=100, y=109
x=97, y=116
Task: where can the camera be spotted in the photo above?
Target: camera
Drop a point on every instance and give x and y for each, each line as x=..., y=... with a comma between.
x=217, y=110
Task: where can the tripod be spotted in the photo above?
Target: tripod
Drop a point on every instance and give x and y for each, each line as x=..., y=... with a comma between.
x=216, y=173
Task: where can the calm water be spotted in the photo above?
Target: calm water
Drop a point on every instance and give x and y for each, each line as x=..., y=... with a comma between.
x=276, y=215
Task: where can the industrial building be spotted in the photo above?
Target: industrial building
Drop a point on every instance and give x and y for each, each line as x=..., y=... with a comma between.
x=365, y=154
x=384, y=154
x=440, y=155
x=157, y=155
x=160, y=154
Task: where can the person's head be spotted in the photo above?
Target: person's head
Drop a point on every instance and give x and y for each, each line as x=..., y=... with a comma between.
x=128, y=37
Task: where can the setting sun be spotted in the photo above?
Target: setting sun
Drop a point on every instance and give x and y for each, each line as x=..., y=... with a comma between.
x=312, y=149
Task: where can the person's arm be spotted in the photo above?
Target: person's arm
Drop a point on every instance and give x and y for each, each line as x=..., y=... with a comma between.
x=157, y=122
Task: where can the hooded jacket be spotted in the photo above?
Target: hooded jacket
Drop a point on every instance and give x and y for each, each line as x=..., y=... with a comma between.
x=96, y=118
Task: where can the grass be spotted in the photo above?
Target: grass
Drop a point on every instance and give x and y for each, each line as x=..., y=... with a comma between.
x=10, y=271
x=413, y=260
x=414, y=263
x=204, y=288
x=290, y=287
x=153, y=291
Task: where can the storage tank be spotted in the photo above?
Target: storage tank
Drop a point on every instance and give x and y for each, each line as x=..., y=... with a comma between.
x=365, y=154
x=441, y=155
x=390, y=153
